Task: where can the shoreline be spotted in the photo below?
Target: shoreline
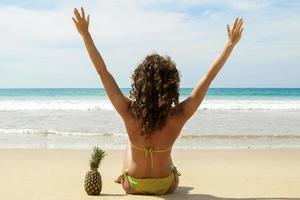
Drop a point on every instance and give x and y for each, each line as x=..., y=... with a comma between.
x=205, y=129
x=206, y=174
x=173, y=149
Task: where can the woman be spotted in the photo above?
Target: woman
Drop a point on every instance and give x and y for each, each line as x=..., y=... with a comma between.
x=152, y=114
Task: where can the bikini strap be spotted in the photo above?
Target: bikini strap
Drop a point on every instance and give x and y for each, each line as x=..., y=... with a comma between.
x=124, y=174
x=150, y=151
x=176, y=171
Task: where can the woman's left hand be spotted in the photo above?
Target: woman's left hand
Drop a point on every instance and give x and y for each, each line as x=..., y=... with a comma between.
x=81, y=22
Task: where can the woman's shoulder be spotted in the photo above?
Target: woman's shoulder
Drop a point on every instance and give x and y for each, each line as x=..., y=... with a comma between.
x=176, y=114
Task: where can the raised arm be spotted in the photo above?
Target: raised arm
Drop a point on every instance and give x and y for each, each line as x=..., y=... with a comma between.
x=119, y=101
x=193, y=101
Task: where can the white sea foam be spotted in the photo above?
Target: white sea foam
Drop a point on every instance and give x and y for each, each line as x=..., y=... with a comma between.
x=105, y=104
x=25, y=132
x=185, y=136
x=251, y=105
x=56, y=105
x=51, y=139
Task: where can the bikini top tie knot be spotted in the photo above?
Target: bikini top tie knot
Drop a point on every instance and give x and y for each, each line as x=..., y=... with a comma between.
x=148, y=150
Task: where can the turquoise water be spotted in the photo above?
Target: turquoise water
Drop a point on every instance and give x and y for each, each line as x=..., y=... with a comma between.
x=96, y=98
x=94, y=93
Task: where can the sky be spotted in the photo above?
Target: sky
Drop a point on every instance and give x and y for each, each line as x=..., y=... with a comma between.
x=41, y=48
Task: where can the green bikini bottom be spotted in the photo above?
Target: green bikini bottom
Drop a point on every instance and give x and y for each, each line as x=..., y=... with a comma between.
x=154, y=186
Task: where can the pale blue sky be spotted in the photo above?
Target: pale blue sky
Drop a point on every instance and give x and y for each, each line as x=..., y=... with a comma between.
x=40, y=46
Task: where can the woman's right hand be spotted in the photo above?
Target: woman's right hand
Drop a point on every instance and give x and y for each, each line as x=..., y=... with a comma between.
x=81, y=22
x=234, y=34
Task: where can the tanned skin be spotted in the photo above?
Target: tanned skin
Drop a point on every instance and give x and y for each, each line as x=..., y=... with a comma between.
x=134, y=160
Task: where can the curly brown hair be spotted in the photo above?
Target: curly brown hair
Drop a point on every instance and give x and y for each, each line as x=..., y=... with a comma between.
x=155, y=89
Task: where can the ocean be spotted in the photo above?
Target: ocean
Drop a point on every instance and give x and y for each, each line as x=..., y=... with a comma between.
x=80, y=118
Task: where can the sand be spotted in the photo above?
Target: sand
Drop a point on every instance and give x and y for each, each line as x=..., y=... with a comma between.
x=206, y=174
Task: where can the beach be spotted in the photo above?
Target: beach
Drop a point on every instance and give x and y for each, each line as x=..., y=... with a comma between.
x=239, y=144
x=206, y=174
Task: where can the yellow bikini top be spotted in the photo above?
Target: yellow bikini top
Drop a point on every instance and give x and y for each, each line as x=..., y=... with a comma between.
x=150, y=151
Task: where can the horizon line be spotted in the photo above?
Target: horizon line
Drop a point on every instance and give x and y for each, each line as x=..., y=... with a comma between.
x=130, y=88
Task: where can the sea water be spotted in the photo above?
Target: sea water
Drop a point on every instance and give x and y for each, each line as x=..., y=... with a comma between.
x=84, y=117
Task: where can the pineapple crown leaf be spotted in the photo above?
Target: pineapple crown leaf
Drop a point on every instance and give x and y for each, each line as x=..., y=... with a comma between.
x=96, y=157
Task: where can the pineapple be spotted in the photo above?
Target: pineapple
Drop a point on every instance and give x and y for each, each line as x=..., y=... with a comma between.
x=93, y=181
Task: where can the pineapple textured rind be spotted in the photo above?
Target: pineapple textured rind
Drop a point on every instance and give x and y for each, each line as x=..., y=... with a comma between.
x=93, y=182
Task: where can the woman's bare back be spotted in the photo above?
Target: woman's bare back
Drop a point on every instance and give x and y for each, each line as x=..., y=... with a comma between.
x=135, y=160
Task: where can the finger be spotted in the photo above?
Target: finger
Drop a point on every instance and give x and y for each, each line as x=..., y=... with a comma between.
x=240, y=27
x=239, y=35
x=228, y=30
x=237, y=27
x=77, y=14
x=74, y=20
x=82, y=12
x=88, y=19
x=240, y=23
x=235, y=22
x=233, y=27
x=241, y=32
